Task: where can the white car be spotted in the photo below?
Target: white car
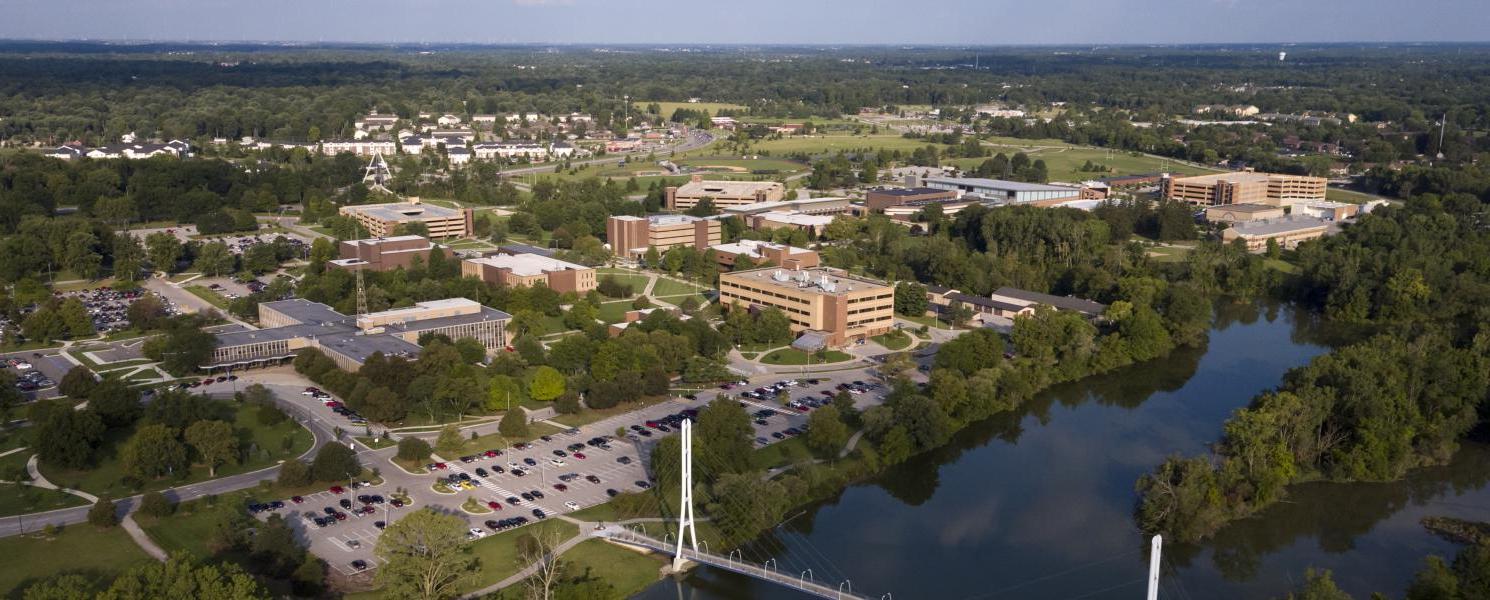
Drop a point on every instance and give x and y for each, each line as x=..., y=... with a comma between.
x=23, y=365
x=571, y=505
x=477, y=534
x=558, y=462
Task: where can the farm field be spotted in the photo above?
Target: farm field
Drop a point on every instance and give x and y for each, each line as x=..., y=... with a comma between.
x=669, y=107
x=1064, y=164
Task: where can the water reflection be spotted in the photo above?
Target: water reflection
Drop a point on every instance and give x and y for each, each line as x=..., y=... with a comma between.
x=1037, y=504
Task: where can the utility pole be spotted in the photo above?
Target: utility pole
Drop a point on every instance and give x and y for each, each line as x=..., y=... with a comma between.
x=1155, y=549
x=685, y=497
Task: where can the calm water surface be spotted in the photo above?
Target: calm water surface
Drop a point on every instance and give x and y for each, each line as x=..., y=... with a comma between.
x=1038, y=504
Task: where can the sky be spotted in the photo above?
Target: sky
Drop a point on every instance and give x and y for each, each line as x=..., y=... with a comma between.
x=678, y=22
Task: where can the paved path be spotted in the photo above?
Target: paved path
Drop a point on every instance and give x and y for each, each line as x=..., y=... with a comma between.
x=38, y=480
x=853, y=440
x=141, y=539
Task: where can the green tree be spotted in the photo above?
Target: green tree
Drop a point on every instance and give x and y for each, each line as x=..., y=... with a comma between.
x=425, y=556
x=449, y=442
x=155, y=504
x=514, y=423
x=215, y=441
x=163, y=250
x=294, y=473
x=547, y=384
x=413, y=449
x=724, y=436
x=214, y=259
x=1435, y=581
x=154, y=451
x=826, y=433
x=66, y=437
x=103, y=514
x=1318, y=585
x=217, y=581
x=78, y=382
x=335, y=462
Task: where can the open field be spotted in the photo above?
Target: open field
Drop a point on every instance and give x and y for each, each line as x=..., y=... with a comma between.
x=78, y=549
x=826, y=144
x=613, y=312
x=745, y=164
x=669, y=107
x=1335, y=194
x=668, y=287
x=1064, y=164
x=210, y=296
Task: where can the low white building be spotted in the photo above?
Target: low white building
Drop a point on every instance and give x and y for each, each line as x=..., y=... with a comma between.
x=448, y=120
x=363, y=147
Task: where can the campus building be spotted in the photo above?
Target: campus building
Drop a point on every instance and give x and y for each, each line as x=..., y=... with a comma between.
x=380, y=220
x=1246, y=187
x=883, y=198
x=1007, y=303
x=293, y=325
x=1288, y=232
x=723, y=193
x=630, y=236
x=1005, y=192
x=522, y=270
x=385, y=254
x=760, y=253
x=1242, y=213
x=822, y=302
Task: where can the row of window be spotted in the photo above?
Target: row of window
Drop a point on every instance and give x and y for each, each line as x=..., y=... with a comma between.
x=769, y=293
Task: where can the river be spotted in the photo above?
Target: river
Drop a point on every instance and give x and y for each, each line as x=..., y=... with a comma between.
x=1038, y=504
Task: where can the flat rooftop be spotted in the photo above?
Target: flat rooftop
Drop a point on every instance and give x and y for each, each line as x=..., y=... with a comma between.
x=817, y=280
x=306, y=311
x=752, y=248
x=796, y=218
x=1000, y=184
x=726, y=188
x=376, y=241
x=915, y=191
x=1236, y=176
x=1281, y=225
x=404, y=211
x=799, y=204
x=1245, y=208
x=1018, y=297
x=528, y=264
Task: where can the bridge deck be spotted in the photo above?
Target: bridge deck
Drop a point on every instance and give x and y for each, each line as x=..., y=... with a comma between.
x=796, y=582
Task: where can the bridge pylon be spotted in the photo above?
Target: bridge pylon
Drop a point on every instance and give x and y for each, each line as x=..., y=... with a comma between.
x=685, y=497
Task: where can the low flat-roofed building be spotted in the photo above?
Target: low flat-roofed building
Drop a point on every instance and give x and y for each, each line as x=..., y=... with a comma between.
x=883, y=198
x=1006, y=192
x=1288, y=231
x=293, y=325
x=760, y=252
x=522, y=270
x=806, y=206
x=385, y=254
x=845, y=308
x=812, y=224
x=629, y=236
x=380, y=220
x=1246, y=187
x=1015, y=297
x=1329, y=211
x=723, y=193
x=1241, y=213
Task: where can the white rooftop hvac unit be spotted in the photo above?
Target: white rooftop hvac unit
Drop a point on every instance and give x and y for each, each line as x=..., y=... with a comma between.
x=780, y=275
x=826, y=285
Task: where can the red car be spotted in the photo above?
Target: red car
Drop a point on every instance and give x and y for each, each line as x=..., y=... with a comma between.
x=297, y=499
x=579, y=455
x=494, y=505
x=440, y=466
x=492, y=453
x=332, y=404
x=336, y=489
x=341, y=516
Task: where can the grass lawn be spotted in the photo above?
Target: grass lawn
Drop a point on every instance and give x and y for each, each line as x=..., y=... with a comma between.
x=496, y=440
x=104, y=478
x=747, y=165
x=78, y=549
x=24, y=499
x=924, y=320
x=793, y=356
x=1284, y=267
x=210, y=296
x=1335, y=194
x=1169, y=253
x=669, y=287
x=377, y=443
x=826, y=144
x=638, y=282
x=627, y=571
x=749, y=355
x=498, y=552
x=1064, y=163
x=668, y=107
x=782, y=453
x=894, y=340
x=591, y=415
x=613, y=312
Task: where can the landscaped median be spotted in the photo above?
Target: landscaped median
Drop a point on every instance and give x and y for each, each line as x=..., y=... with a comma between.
x=793, y=356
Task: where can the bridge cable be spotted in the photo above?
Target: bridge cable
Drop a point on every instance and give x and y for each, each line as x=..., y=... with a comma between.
x=992, y=593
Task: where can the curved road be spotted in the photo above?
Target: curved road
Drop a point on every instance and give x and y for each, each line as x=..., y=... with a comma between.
x=321, y=432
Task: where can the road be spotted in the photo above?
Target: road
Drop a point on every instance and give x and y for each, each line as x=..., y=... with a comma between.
x=68, y=516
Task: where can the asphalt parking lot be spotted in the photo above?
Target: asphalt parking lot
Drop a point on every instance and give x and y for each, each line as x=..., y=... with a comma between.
x=355, y=537
x=48, y=362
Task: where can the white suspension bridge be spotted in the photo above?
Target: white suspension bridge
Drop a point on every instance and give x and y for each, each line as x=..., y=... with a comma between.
x=688, y=549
